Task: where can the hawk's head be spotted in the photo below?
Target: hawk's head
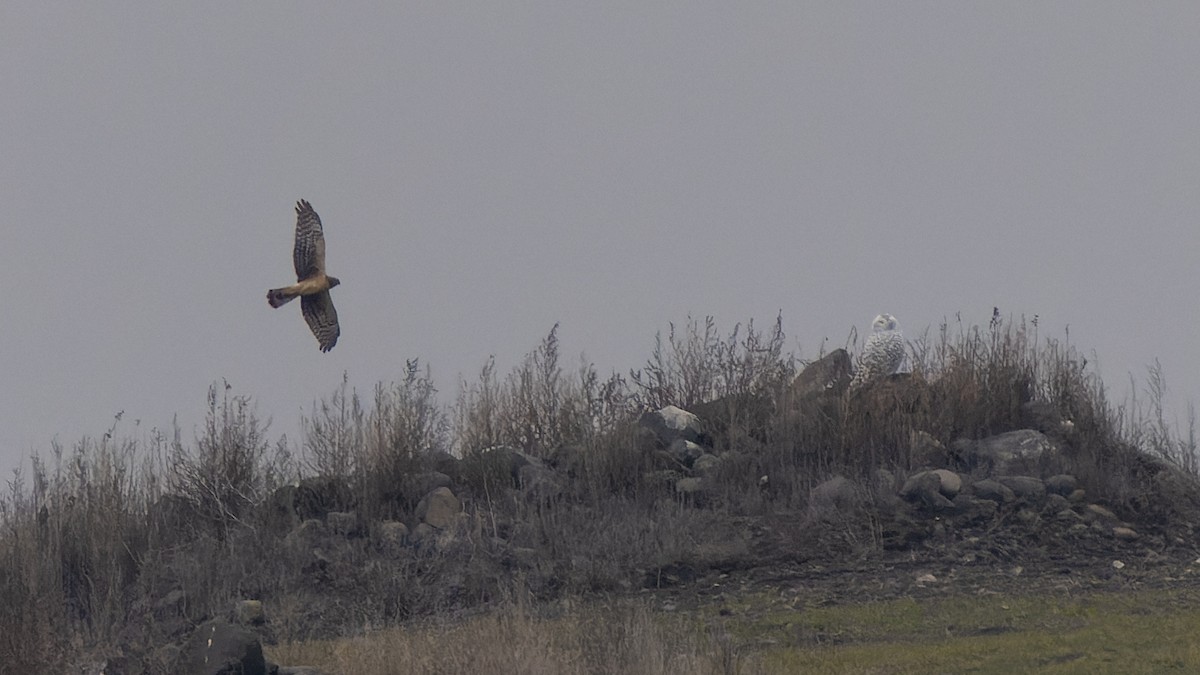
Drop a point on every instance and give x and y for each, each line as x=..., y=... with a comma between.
x=333, y=281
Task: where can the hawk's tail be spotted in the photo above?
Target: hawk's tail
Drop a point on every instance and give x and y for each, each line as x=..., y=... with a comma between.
x=279, y=297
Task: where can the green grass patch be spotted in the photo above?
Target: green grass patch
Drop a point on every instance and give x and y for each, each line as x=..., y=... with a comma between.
x=1145, y=632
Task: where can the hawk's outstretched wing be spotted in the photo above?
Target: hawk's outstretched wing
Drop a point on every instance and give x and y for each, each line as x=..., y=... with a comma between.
x=309, y=254
x=322, y=318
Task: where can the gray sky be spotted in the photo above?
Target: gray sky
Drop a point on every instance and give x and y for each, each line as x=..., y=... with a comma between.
x=484, y=170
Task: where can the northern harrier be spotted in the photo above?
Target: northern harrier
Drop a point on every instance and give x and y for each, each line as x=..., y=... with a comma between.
x=312, y=284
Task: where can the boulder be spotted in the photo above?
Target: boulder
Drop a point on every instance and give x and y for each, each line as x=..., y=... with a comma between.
x=220, y=648
x=949, y=483
x=316, y=497
x=993, y=490
x=830, y=373
x=439, y=508
x=671, y=423
x=706, y=464
x=838, y=495
x=425, y=482
x=689, y=486
x=925, y=487
x=1061, y=484
x=1027, y=488
x=1023, y=452
x=249, y=613
x=509, y=460
x=684, y=452
x=1124, y=533
x=393, y=537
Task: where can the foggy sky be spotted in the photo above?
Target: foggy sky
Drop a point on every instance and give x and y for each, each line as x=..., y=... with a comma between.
x=484, y=170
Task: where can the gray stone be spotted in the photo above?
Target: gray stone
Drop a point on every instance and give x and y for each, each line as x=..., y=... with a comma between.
x=1027, y=488
x=993, y=490
x=310, y=533
x=1097, y=512
x=1024, y=452
x=706, y=464
x=315, y=497
x=425, y=482
x=249, y=613
x=971, y=508
x=1061, y=484
x=689, y=486
x=925, y=487
x=1124, y=533
x=423, y=532
x=838, y=495
x=439, y=508
x=684, y=452
x=949, y=483
x=220, y=648
x=671, y=423
x=1055, y=503
x=301, y=670
x=393, y=537
x=829, y=374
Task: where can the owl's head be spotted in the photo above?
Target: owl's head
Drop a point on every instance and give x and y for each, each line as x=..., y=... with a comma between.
x=884, y=322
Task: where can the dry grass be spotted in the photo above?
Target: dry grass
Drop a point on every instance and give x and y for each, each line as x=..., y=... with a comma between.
x=626, y=638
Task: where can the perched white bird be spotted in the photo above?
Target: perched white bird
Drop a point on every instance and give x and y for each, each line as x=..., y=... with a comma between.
x=882, y=354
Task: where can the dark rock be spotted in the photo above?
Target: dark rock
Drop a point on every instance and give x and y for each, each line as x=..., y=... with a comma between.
x=993, y=490
x=278, y=511
x=393, y=537
x=439, y=508
x=1027, y=488
x=423, y=483
x=671, y=423
x=838, y=495
x=925, y=487
x=949, y=483
x=1124, y=533
x=973, y=509
x=220, y=648
x=706, y=464
x=316, y=497
x=1022, y=452
x=689, y=486
x=249, y=613
x=684, y=452
x=829, y=374
x=1055, y=503
x=1061, y=484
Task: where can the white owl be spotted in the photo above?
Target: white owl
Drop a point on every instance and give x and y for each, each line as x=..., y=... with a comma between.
x=882, y=354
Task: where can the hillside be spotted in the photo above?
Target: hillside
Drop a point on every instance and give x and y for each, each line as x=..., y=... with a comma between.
x=994, y=464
